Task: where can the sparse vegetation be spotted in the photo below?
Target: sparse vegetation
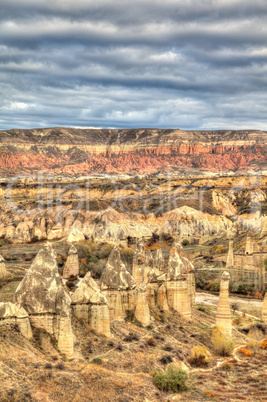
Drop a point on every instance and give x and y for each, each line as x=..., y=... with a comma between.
x=173, y=379
x=199, y=356
x=222, y=344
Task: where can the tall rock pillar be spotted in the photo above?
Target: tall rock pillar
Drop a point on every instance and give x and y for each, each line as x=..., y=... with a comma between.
x=223, y=316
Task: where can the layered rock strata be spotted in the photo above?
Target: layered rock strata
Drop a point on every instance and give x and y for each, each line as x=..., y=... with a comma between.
x=91, y=306
x=49, y=307
x=223, y=316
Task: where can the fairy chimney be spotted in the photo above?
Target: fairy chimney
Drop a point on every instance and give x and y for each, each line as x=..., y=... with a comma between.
x=178, y=293
x=141, y=312
x=91, y=306
x=72, y=264
x=117, y=285
x=49, y=307
x=223, y=316
x=230, y=255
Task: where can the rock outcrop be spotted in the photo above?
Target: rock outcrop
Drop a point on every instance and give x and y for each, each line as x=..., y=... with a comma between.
x=3, y=272
x=117, y=285
x=162, y=298
x=14, y=315
x=49, y=307
x=72, y=264
x=131, y=150
x=90, y=305
x=159, y=260
x=178, y=292
x=139, y=259
x=223, y=316
x=249, y=245
x=75, y=235
x=142, y=313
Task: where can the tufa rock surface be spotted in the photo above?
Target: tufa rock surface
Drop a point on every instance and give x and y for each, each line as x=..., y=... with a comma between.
x=12, y=314
x=72, y=264
x=49, y=307
x=223, y=316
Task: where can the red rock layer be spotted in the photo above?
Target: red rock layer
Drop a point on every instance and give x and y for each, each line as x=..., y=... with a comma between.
x=147, y=160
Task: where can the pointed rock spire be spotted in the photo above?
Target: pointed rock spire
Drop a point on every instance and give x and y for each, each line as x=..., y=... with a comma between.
x=72, y=264
x=115, y=274
x=159, y=260
x=40, y=293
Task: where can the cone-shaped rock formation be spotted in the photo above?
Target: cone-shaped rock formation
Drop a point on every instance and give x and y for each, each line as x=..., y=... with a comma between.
x=72, y=264
x=49, y=307
x=90, y=305
x=117, y=285
x=178, y=292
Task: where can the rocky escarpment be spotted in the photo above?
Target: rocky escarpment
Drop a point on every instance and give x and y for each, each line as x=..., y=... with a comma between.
x=74, y=151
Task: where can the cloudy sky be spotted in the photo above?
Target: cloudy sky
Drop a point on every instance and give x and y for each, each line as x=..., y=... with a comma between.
x=190, y=64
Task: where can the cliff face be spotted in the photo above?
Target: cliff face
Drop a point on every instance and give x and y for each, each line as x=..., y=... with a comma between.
x=73, y=151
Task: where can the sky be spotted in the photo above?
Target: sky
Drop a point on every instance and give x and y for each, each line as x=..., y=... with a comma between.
x=189, y=64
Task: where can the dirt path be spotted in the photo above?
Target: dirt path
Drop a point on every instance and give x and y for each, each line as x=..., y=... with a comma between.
x=212, y=300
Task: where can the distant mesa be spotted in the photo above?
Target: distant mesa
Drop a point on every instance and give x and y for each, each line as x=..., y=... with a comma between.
x=79, y=151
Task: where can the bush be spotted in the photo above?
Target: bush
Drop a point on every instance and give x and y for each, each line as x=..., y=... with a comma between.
x=246, y=352
x=151, y=341
x=96, y=360
x=199, y=356
x=185, y=243
x=173, y=379
x=214, y=287
x=222, y=344
x=105, y=250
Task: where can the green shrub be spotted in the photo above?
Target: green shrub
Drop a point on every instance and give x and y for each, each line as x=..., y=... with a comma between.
x=104, y=251
x=214, y=287
x=222, y=344
x=173, y=379
x=96, y=360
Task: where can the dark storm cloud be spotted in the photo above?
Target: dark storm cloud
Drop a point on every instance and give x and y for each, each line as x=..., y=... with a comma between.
x=188, y=64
